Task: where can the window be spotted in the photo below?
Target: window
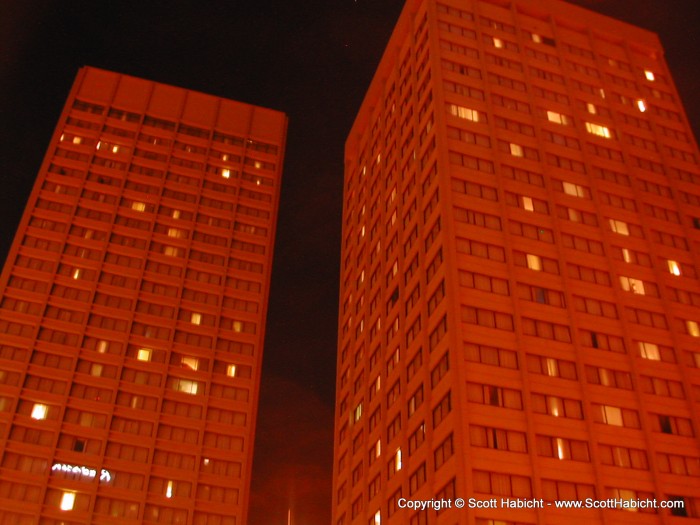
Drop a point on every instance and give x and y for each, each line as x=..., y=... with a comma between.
x=674, y=267
x=187, y=386
x=649, y=351
x=632, y=285
x=40, y=411
x=553, y=116
x=501, y=484
x=679, y=426
x=496, y=438
x=562, y=448
x=144, y=354
x=623, y=457
x=693, y=328
x=464, y=113
x=597, y=129
x=534, y=262
x=396, y=462
x=641, y=105
x=619, y=227
x=611, y=415
x=67, y=500
x=573, y=189
x=516, y=150
x=649, y=75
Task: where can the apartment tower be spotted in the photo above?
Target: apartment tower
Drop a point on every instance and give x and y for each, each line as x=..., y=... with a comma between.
x=519, y=300
x=133, y=306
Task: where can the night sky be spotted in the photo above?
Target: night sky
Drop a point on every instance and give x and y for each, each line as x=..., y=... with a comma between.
x=312, y=60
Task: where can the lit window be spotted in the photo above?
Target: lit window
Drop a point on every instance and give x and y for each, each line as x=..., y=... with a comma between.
x=357, y=414
x=144, y=354
x=226, y=173
x=77, y=140
x=196, y=318
x=67, y=501
x=378, y=448
x=591, y=108
x=187, y=386
x=175, y=232
x=534, y=262
x=649, y=75
x=96, y=370
x=527, y=204
x=573, y=189
x=555, y=406
x=379, y=158
x=138, y=206
x=632, y=285
x=77, y=273
x=231, y=370
x=693, y=328
x=257, y=164
x=574, y=215
x=599, y=130
x=561, y=448
x=497, y=42
x=619, y=227
x=553, y=116
x=516, y=150
x=237, y=326
x=378, y=518
x=626, y=256
x=674, y=267
x=604, y=375
x=397, y=460
x=171, y=251
x=115, y=149
x=641, y=105
x=552, y=368
x=39, y=411
x=649, y=351
x=190, y=362
x=601, y=92
x=536, y=38
x=176, y=214
x=612, y=415
x=465, y=113
x=169, y=490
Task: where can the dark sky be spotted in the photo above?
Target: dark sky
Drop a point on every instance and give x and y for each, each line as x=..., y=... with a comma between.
x=311, y=59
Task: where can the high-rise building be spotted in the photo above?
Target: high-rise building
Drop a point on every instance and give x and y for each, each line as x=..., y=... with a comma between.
x=520, y=304
x=133, y=306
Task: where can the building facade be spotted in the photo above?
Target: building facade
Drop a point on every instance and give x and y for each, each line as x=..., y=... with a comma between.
x=133, y=306
x=519, y=301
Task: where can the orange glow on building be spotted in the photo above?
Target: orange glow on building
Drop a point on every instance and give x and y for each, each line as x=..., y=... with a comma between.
x=519, y=300
x=133, y=305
